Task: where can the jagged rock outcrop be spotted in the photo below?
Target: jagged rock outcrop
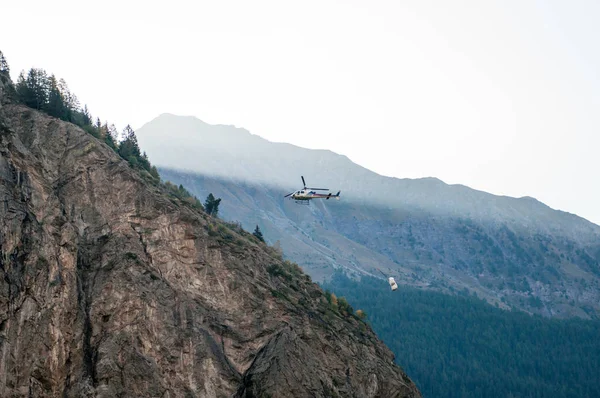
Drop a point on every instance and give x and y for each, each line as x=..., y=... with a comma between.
x=111, y=288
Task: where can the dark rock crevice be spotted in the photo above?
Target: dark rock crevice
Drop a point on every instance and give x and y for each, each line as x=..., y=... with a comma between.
x=84, y=301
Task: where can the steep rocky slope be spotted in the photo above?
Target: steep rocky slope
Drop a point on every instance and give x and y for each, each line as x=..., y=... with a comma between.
x=111, y=288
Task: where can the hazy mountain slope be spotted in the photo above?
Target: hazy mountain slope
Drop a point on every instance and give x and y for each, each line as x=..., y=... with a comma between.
x=298, y=229
x=547, y=274
x=187, y=143
x=111, y=287
x=515, y=252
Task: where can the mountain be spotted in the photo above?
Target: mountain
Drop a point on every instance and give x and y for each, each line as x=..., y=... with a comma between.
x=111, y=286
x=514, y=252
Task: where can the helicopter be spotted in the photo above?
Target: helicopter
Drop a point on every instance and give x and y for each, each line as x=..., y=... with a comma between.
x=304, y=195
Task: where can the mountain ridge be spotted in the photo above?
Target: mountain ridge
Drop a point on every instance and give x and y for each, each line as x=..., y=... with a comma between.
x=512, y=251
x=206, y=135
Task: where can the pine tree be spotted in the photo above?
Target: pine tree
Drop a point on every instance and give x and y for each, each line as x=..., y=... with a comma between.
x=344, y=307
x=145, y=162
x=56, y=105
x=208, y=204
x=32, y=90
x=86, y=116
x=110, y=135
x=112, y=131
x=5, y=79
x=129, y=148
x=4, y=68
x=70, y=100
x=215, y=210
x=258, y=234
x=211, y=206
x=39, y=85
x=154, y=173
x=4, y=71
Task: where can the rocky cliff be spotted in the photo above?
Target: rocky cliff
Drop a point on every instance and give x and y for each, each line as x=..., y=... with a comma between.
x=112, y=288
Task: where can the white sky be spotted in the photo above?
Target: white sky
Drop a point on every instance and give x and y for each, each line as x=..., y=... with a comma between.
x=501, y=96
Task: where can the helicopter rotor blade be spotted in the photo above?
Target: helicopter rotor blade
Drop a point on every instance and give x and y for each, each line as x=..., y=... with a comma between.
x=319, y=189
x=288, y=194
x=303, y=183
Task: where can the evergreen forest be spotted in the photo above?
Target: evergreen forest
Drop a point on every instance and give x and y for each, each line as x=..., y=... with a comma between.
x=460, y=346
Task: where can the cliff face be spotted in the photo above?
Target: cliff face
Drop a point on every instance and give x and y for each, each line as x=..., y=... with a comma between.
x=111, y=288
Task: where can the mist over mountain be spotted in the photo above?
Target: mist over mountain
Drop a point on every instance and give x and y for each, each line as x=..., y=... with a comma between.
x=187, y=143
x=514, y=252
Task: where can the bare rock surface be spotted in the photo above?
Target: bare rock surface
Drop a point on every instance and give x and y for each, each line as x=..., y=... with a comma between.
x=112, y=288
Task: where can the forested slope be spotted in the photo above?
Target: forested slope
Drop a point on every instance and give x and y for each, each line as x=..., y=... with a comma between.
x=460, y=346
